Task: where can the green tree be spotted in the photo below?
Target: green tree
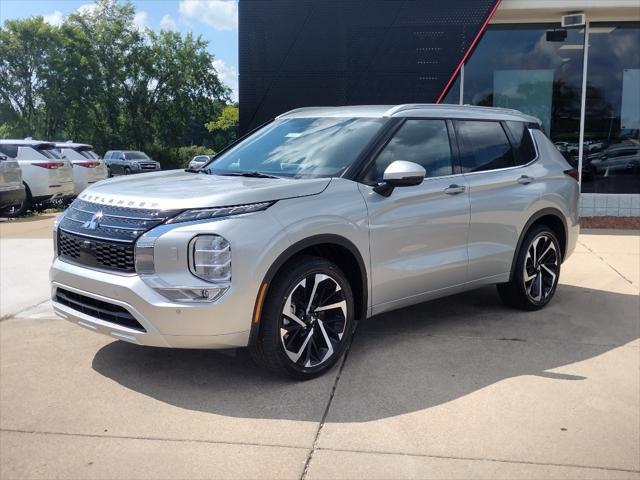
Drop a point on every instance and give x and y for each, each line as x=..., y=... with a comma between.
x=26, y=48
x=98, y=79
x=225, y=126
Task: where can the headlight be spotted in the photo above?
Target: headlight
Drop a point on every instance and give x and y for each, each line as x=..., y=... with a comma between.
x=205, y=213
x=210, y=258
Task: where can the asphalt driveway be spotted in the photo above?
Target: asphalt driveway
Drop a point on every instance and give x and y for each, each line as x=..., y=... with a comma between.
x=457, y=388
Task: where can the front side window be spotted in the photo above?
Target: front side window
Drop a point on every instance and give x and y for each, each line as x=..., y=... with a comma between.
x=299, y=147
x=485, y=146
x=425, y=142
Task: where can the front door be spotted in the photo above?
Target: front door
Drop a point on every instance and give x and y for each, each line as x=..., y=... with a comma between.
x=418, y=235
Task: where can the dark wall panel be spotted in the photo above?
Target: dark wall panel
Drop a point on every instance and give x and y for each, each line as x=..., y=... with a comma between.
x=296, y=53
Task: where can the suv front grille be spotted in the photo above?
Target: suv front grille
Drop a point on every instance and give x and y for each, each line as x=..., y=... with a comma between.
x=98, y=309
x=103, y=236
x=147, y=166
x=97, y=253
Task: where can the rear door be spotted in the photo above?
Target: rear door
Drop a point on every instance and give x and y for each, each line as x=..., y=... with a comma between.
x=116, y=162
x=418, y=235
x=496, y=160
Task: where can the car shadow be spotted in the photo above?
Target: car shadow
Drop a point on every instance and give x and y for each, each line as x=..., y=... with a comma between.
x=399, y=362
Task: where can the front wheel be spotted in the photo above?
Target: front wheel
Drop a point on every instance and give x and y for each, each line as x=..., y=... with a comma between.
x=307, y=319
x=537, y=271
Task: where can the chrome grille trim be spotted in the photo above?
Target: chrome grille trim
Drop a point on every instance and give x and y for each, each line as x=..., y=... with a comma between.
x=116, y=223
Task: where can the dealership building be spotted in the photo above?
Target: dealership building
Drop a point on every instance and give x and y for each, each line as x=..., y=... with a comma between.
x=574, y=64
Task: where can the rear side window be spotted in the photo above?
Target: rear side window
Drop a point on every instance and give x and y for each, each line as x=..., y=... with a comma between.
x=523, y=146
x=485, y=146
x=10, y=151
x=425, y=142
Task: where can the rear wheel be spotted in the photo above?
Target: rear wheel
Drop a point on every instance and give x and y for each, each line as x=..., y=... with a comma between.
x=307, y=319
x=537, y=271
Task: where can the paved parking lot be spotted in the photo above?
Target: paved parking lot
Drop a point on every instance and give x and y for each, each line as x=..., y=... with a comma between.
x=457, y=388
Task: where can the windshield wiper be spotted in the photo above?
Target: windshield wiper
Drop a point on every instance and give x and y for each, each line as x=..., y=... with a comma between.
x=248, y=174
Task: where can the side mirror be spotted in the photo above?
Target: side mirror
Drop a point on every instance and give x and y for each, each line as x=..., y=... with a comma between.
x=400, y=174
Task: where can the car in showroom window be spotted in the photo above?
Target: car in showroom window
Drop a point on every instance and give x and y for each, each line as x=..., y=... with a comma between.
x=323, y=217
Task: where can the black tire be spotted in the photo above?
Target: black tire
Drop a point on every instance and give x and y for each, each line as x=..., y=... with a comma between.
x=109, y=173
x=127, y=171
x=19, y=210
x=544, y=271
x=269, y=348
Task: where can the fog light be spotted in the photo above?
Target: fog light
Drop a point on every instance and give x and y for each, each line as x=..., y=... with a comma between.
x=210, y=258
x=192, y=294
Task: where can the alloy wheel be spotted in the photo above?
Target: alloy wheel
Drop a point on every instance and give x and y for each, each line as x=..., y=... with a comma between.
x=313, y=320
x=541, y=267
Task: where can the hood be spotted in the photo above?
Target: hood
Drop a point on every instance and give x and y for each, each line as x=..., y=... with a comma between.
x=177, y=189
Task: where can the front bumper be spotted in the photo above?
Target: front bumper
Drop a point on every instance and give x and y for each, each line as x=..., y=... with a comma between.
x=221, y=324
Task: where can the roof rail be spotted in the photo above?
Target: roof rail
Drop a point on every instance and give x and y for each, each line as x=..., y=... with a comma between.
x=407, y=106
x=296, y=110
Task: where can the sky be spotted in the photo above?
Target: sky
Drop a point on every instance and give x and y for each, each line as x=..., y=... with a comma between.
x=215, y=20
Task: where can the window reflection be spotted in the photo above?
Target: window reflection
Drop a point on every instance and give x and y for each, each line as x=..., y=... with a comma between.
x=515, y=66
x=611, y=162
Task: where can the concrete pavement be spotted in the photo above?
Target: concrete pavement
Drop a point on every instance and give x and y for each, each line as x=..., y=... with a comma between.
x=457, y=388
x=25, y=251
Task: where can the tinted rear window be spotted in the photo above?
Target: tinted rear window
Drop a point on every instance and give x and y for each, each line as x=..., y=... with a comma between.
x=522, y=142
x=485, y=146
x=49, y=152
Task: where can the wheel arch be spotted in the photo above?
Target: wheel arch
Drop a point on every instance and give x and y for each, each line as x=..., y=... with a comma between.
x=552, y=218
x=336, y=248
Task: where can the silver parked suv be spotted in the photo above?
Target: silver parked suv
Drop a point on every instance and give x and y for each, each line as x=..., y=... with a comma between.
x=322, y=217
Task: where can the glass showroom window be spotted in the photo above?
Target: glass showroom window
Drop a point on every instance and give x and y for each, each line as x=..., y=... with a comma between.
x=515, y=66
x=611, y=161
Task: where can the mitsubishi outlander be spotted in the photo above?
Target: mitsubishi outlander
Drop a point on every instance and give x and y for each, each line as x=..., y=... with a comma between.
x=323, y=217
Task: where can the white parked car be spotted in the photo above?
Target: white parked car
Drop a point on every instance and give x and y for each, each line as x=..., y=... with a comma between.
x=88, y=167
x=198, y=161
x=47, y=176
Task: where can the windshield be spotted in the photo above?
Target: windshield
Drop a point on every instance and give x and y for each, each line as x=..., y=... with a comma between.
x=136, y=156
x=300, y=147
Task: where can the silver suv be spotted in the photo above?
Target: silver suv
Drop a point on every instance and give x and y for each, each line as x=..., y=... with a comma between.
x=321, y=218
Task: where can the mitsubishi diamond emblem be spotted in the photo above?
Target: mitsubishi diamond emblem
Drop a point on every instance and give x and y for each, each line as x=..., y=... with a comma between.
x=94, y=222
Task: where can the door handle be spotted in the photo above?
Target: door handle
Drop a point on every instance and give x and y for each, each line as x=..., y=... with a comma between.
x=455, y=189
x=525, y=180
